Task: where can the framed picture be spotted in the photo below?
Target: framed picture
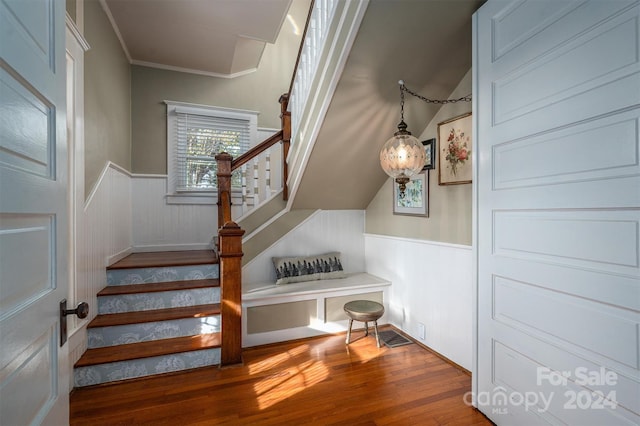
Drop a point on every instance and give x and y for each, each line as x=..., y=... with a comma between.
x=455, y=139
x=415, y=201
x=430, y=150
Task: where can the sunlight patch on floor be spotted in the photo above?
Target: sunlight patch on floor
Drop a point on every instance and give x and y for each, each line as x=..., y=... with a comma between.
x=289, y=381
x=364, y=352
x=274, y=361
x=287, y=375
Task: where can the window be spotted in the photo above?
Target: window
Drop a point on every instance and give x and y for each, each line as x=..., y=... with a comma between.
x=195, y=134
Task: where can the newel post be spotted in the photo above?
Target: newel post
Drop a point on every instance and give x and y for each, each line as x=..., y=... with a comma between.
x=224, y=188
x=230, y=238
x=285, y=117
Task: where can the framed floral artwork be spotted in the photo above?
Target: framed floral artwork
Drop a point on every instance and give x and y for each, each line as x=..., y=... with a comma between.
x=455, y=139
x=415, y=200
x=430, y=151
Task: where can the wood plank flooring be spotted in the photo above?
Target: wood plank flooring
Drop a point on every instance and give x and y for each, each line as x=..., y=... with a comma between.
x=133, y=317
x=149, y=348
x=318, y=381
x=166, y=258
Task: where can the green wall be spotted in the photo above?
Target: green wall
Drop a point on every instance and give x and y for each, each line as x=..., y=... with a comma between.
x=449, y=218
x=71, y=9
x=257, y=91
x=107, y=90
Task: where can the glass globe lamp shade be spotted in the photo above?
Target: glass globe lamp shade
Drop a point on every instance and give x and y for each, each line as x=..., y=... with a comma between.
x=402, y=156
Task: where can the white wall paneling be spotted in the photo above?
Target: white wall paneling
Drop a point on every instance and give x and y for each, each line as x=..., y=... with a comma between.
x=158, y=226
x=104, y=236
x=431, y=284
x=323, y=232
x=76, y=46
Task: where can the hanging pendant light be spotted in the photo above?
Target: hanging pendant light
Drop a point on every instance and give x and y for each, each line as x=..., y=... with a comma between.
x=402, y=156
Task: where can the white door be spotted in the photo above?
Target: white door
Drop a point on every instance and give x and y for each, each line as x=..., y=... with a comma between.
x=34, y=382
x=557, y=110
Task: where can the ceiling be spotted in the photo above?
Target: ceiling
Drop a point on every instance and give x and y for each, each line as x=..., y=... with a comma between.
x=223, y=38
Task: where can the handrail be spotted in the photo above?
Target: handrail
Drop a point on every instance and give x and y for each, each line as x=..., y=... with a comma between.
x=304, y=35
x=256, y=150
x=229, y=241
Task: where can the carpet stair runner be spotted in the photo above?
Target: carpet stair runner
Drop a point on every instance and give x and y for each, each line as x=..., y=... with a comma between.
x=159, y=313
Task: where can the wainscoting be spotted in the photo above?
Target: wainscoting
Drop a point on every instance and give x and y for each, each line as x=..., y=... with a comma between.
x=324, y=231
x=431, y=284
x=158, y=226
x=103, y=235
x=431, y=281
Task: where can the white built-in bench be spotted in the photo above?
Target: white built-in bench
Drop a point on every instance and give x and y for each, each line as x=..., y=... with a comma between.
x=276, y=313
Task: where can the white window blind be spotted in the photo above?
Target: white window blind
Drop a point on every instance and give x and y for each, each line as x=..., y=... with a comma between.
x=200, y=138
x=195, y=135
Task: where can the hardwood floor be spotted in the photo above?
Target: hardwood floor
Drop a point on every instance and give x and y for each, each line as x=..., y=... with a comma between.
x=318, y=381
x=166, y=258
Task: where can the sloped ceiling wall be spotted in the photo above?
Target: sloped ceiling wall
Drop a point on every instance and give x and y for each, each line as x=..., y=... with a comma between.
x=425, y=43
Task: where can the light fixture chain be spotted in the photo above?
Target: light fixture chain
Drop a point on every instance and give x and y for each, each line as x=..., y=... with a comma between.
x=404, y=88
x=401, y=103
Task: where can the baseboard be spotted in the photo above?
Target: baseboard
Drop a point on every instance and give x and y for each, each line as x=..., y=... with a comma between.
x=119, y=256
x=436, y=353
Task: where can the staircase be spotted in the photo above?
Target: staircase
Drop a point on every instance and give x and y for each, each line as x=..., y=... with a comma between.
x=159, y=313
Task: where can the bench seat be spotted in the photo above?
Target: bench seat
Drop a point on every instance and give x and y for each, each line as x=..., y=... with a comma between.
x=275, y=313
x=353, y=281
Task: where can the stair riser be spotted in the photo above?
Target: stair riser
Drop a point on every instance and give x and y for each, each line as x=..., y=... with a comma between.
x=158, y=275
x=157, y=300
x=110, y=372
x=131, y=333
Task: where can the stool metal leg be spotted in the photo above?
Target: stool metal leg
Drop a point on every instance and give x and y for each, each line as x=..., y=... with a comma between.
x=366, y=329
x=375, y=325
x=349, y=331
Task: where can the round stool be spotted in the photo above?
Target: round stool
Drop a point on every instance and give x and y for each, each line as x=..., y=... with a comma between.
x=365, y=311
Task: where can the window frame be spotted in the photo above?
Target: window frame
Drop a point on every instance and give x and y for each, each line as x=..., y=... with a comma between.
x=203, y=196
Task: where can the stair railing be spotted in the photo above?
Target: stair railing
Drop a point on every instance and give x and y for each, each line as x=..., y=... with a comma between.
x=227, y=165
x=229, y=242
x=230, y=234
x=313, y=39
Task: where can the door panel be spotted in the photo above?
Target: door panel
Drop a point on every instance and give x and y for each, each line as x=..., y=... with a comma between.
x=558, y=211
x=33, y=212
x=23, y=281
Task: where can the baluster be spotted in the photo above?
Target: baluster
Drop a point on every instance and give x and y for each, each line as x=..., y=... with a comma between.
x=267, y=174
x=256, y=190
x=309, y=65
x=243, y=170
x=292, y=108
x=322, y=19
x=313, y=42
x=304, y=78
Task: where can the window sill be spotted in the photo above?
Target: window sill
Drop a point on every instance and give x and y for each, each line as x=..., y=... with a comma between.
x=200, y=198
x=189, y=198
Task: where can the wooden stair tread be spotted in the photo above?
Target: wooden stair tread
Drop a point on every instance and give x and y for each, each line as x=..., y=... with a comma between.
x=106, y=320
x=148, y=349
x=166, y=258
x=157, y=287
